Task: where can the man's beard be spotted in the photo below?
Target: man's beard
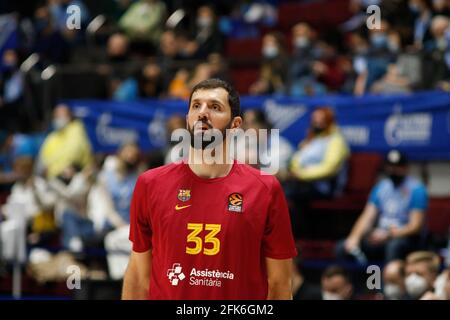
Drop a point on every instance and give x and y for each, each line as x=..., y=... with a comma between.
x=208, y=137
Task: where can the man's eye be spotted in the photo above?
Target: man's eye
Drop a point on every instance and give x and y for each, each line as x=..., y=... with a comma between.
x=195, y=106
x=215, y=107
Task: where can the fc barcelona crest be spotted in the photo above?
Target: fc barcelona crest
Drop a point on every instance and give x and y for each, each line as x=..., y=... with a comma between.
x=184, y=195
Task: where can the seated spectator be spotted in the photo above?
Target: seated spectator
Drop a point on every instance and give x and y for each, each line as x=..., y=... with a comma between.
x=173, y=123
x=421, y=9
x=72, y=188
x=28, y=207
x=437, y=55
x=265, y=154
x=144, y=20
x=66, y=146
x=441, y=7
x=273, y=72
x=118, y=178
x=336, y=284
x=421, y=269
x=394, y=280
x=392, y=222
x=151, y=81
x=180, y=87
x=207, y=34
x=319, y=167
x=11, y=91
x=302, y=80
x=374, y=65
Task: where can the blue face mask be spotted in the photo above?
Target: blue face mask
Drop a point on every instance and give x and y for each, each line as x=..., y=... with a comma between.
x=379, y=40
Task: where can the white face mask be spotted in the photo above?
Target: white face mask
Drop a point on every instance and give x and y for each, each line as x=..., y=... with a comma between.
x=204, y=22
x=330, y=296
x=301, y=42
x=415, y=285
x=60, y=123
x=392, y=291
x=270, y=51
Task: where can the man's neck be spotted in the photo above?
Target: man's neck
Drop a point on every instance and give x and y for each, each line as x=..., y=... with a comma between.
x=205, y=170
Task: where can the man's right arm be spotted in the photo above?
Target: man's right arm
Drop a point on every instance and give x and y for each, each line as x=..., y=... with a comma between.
x=137, y=276
x=364, y=223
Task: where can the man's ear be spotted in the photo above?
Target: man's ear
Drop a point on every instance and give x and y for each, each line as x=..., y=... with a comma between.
x=236, y=122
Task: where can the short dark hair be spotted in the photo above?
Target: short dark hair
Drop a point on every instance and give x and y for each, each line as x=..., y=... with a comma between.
x=335, y=270
x=233, y=96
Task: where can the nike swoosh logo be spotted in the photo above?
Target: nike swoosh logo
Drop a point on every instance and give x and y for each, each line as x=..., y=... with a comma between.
x=177, y=207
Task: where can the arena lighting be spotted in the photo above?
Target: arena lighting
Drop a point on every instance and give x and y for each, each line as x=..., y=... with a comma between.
x=96, y=24
x=48, y=72
x=30, y=62
x=175, y=18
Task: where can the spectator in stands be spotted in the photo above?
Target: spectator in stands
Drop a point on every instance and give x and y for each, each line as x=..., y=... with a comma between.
x=441, y=7
x=302, y=289
x=117, y=48
x=393, y=219
x=72, y=189
x=175, y=122
x=437, y=54
x=151, y=81
x=273, y=72
x=218, y=66
x=66, y=146
x=206, y=33
x=31, y=201
x=49, y=43
x=118, y=178
x=265, y=152
x=302, y=80
x=374, y=65
x=180, y=87
x=394, y=280
x=144, y=20
x=421, y=10
x=167, y=56
x=336, y=284
x=421, y=269
x=318, y=167
x=11, y=91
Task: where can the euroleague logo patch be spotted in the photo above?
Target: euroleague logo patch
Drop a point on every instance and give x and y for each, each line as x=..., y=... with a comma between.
x=235, y=202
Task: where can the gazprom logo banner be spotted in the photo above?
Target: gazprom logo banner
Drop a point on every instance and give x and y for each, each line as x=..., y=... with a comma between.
x=412, y=128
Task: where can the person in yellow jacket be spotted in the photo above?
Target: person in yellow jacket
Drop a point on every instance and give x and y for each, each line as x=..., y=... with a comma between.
x=67, y=146
x=319, y=167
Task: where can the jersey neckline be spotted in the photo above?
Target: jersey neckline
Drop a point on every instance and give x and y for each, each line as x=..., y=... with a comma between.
x=209, y=180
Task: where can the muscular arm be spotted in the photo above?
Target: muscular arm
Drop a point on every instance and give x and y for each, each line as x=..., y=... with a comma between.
x=279, y=277
x=137, y=277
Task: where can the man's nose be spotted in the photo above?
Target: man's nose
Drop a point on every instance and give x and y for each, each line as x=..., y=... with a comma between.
x=204, y=112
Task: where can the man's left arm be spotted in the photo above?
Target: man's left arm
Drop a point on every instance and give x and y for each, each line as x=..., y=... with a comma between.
x=279, y=278
x=413, y=227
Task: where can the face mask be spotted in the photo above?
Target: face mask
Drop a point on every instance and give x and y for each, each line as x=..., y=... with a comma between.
x=270, y=52
x=301, y=42
x=379, y=40
x=204, y=22
x=60, y=123
x=317, y=130
x=415, y=285
x=393, y=47
x=392, y=291
x=397, y=179
x=130, y=165
x=331, y=296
